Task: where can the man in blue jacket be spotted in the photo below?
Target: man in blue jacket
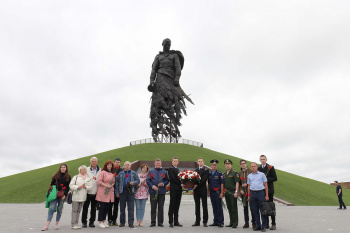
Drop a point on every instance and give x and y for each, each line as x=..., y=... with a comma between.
x=125, y=191
x=157, y=180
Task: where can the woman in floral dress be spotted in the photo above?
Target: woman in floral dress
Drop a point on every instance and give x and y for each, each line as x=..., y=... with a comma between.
x=141, y=195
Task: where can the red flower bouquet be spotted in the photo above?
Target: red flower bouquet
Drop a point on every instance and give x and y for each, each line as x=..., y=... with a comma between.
x=189, y=178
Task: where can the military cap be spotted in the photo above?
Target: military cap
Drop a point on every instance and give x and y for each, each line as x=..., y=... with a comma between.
x=214, y=161
x=227, y=161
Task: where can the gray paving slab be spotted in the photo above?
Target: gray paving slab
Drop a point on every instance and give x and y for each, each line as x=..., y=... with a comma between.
x=32, y=217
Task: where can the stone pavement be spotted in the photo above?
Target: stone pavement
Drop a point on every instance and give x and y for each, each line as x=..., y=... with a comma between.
x=19, y=218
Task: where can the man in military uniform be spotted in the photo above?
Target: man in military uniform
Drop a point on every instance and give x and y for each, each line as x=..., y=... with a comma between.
x=271, y=176
x=231, y=193
x=215, y=191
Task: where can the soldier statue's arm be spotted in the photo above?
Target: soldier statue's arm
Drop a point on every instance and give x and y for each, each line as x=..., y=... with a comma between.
x=177, y=70
x=155, y=66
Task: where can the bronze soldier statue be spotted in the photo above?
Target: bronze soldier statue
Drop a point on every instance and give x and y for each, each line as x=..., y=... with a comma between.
x=168, y=98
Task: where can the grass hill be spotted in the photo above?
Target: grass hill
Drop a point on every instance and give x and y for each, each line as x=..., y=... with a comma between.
x=31, y=186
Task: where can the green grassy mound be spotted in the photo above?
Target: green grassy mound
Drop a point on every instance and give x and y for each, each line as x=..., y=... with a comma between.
x=31, y=186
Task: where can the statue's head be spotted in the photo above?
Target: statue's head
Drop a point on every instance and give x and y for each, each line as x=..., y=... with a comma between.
x=166, y=44
x=166, y=40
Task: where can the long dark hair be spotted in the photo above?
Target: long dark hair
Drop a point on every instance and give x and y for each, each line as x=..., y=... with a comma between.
x=57, y=175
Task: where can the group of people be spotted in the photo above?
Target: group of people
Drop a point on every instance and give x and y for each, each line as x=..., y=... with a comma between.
x=255, y=185
x=107, y=188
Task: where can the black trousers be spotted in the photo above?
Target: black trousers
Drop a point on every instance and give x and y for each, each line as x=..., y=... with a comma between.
x=273, y=218
x=341, y=203
x=197, y=200
x=154, y=204
x=102, y=213
x=90, y=198
x=113, y=211
x=246, y=211
x=175, y=200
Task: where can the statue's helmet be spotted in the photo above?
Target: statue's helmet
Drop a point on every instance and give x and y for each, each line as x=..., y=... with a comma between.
x=166, y=39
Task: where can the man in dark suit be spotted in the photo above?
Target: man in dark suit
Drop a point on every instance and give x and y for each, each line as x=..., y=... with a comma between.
x=271, y=176
x=200, y=192
x=175, y=193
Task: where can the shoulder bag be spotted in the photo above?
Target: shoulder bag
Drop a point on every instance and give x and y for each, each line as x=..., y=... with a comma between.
x=70, y=193
x=268, y=208
x=59, y=193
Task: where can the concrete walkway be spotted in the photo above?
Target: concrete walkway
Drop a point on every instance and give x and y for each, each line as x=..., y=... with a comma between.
x=32, y=217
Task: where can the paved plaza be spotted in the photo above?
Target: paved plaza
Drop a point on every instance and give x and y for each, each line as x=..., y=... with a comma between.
x=16, y=218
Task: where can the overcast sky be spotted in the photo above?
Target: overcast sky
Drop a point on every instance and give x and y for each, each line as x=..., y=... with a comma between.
x=267, y=77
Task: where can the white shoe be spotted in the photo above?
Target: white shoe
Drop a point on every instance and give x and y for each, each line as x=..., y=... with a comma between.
x=106, y=224
x=75, y=227
x=102, y=225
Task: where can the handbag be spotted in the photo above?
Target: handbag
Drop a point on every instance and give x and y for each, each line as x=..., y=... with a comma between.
x=268, y=208
x=59, y=193
x=69, y=198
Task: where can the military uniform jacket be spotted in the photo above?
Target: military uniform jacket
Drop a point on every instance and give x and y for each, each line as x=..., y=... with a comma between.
x=230, y=180
x=215, y=180
x=270, y=174
x=167, y=63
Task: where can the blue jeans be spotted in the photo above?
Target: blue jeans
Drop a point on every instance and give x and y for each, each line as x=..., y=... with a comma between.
x=59, y=202
x=255, y=200
x=126, y=199
x=140, y=208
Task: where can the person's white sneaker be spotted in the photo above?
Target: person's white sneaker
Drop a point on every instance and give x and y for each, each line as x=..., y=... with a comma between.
x=106, y=224
x=75, y=227
x=102, y=225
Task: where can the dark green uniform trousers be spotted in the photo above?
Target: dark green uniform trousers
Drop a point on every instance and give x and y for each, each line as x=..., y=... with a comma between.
x=231, y=203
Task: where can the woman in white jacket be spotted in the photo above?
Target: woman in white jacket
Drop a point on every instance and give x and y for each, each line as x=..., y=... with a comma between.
x=79, y=185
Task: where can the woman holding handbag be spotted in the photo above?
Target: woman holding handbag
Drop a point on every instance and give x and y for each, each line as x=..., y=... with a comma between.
x=79, y=185
x=61, y=179
x=105, y=191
